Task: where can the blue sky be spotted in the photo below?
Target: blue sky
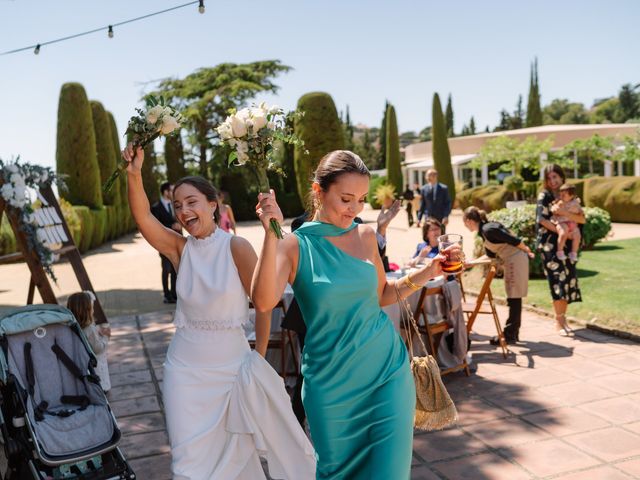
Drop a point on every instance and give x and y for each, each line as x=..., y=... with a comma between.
x=361, y=52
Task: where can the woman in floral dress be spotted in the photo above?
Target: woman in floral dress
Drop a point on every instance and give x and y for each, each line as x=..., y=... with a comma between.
x=562, y=277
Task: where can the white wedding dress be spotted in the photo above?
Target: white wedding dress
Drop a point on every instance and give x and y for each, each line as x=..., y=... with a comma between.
x=225, y=406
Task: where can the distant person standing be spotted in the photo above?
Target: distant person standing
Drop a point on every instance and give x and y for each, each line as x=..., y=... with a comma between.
x=163, y=211
x=436, y=202
x=408, y=196
x=417, y=201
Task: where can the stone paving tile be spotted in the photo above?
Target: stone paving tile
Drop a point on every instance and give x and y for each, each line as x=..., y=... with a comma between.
x=148, y=422
x=445, y=444
x=549, y=457
x=597, y=350
x=617, y=410
x=135, y=406
x=634, y=427
x=566, y=421
x=584, y=368
x=609, y=444
x=157, y=467
x=145, y=444
x=537, y=377
x=506, y=432
x=632, y=467
x=575, y=393
x=628, y=361
x=597, y=473
x=523, y=402
x=423, y=473
x=480, y=467
x=476, y=410
x=623, y=383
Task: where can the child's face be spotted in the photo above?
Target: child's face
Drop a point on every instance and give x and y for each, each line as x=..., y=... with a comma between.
x=566, y=195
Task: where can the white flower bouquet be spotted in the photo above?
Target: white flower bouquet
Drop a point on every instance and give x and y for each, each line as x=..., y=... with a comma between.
x=158, y=119
x=252, y=132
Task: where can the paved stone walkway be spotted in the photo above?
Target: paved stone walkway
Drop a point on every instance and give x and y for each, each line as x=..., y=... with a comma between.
x=557, y=407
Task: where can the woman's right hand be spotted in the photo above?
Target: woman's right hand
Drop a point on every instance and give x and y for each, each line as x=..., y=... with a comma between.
x=134, y=163
x=268, y=209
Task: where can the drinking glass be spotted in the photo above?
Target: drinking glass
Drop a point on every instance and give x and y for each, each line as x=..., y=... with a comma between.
x=454, y=261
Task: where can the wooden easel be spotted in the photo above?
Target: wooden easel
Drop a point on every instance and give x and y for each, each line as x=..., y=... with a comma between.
x=67, y=249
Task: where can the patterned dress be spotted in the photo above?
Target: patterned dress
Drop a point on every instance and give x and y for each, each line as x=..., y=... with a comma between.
x=562, y=276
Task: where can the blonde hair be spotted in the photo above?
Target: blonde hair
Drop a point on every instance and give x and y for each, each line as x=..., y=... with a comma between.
x=81, y=305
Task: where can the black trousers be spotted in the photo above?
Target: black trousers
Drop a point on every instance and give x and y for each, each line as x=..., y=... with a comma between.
x=409, y=209
x=168, y=272
x=293, y=321
x=512, y=327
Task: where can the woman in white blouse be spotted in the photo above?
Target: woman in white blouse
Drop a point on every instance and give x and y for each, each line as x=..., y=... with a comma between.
x=224, y=405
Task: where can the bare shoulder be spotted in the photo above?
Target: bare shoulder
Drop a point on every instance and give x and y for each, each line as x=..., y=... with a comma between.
x=289, y=244
x=367, y=235
x=241, y=246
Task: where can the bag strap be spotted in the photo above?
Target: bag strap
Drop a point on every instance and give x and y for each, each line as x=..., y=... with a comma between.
x=28, y=364
x=407, y=318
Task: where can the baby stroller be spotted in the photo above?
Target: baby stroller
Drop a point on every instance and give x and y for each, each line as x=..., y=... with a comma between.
x=55, y=419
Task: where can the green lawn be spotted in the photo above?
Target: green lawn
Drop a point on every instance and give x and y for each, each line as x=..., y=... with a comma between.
x=609, y=283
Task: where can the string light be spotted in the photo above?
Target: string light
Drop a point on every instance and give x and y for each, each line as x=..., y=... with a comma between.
x=36, y=48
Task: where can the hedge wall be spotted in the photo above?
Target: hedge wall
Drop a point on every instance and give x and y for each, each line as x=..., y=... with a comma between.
x=86, y=227
x=620, y=196
x=7, y=239
x=99, y=227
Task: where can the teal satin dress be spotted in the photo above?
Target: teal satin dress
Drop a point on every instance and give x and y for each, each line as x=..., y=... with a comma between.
x=358, y=391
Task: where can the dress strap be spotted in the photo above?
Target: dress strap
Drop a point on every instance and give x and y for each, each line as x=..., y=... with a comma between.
x=321, y=229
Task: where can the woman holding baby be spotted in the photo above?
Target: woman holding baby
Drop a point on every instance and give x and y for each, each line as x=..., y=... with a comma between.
x=559, y=270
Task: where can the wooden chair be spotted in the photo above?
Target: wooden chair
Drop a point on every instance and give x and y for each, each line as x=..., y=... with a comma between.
x=488, y=307
x=279, y=341
x=433, y=331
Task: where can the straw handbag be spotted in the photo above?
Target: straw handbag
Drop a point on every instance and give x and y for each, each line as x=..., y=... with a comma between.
x=434, y=408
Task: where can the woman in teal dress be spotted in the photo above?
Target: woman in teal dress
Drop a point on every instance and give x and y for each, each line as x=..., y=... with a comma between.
x=358, y=390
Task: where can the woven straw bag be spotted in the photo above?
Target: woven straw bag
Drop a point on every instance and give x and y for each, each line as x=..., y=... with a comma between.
x=434, y=408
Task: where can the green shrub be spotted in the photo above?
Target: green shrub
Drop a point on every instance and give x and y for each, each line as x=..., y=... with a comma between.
x=514, y=184
x=374, y=183
x=486, y=197
x=7, y=238
x=321, y=131
x=86, y=227
x=104, y=151
x=394, y=171
x=76, y=147
x=620, y=196
x=521, y=222
x=99, y=227
x=72, y=219
x=112, y=222
x=440, y=148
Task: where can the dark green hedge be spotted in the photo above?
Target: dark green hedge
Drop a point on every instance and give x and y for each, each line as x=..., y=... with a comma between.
x=620, y=196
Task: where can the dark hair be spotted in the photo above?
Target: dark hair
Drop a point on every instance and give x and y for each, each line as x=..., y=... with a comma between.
x=552, y=167
x=80, y=305
x=430, y=222
x=205, y=187
x=164, y=186
x=475, y=215
x=568, y=187
x=333, y=165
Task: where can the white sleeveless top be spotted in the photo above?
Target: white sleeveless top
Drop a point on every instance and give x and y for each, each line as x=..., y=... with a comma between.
x=210, y=293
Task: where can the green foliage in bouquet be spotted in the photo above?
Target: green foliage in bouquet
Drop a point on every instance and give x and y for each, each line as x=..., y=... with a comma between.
x=76, y=147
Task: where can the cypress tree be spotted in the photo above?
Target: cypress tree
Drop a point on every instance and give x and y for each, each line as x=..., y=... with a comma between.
x=440, y=148
x=449, y=117
x=123, y=214
x=76, y=147
x=394, y=171
x=382, y=138
x=104, y=151
x=472, y=126
x=321, y=131
x=149, y=179
x=174, y=156
x=534, y=111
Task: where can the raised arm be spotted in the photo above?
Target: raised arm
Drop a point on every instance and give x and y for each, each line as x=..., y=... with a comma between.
x=245, y=259
x=276, y=261
x=163, y=239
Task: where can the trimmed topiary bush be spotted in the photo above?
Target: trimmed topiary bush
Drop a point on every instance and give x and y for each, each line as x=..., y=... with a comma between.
x=7, y=238
x=394, y=171
x=111, y=224
x=86, y=227
x=321, y=131
x=620, y=196
x=76, y=147
x=486, y=197
x=597, y=227
x=440, y=148
x=99, y=227
x=374, y=184
x=104, y=151
x=73, y=220
x=123, y=207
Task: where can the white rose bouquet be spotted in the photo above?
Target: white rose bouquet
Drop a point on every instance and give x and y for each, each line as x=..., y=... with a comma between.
x=158, y=119
x=251, y=132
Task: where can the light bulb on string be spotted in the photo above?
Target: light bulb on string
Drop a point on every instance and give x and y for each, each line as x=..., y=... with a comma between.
x=36, y=51
x=201, y=6
x=110, y=31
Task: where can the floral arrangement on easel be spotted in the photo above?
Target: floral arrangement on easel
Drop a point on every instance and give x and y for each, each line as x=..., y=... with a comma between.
x=15, y=178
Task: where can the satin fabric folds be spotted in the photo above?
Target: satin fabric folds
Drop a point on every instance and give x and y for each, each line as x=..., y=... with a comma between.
x=226, y=407
x=358, y=393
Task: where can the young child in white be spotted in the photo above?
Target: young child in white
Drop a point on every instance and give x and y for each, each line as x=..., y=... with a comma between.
x=567, y=229
x=81, y=305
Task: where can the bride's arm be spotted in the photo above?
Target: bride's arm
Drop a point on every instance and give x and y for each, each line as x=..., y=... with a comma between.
x=245, y=259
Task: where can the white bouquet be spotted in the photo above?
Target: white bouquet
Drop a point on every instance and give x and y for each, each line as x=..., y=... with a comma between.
x=159, y=119
x=251, y=132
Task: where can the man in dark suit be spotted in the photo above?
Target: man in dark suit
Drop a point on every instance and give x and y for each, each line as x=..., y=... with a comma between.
x=436, y=202
x=163, y=211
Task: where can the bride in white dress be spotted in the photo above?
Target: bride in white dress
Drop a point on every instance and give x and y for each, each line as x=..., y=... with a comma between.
x=224, y=404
